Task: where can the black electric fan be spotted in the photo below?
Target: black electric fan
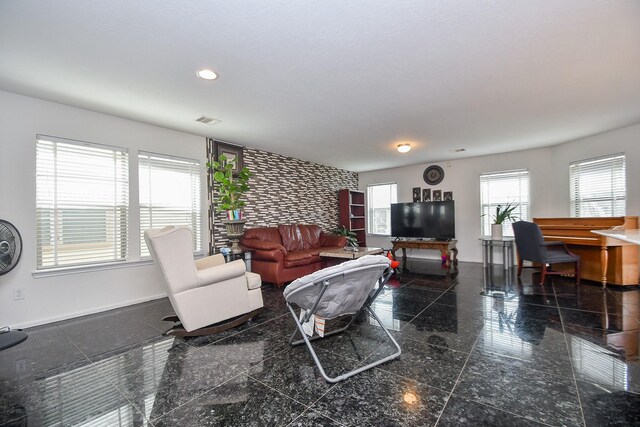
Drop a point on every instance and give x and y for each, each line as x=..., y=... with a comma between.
x=10, y=250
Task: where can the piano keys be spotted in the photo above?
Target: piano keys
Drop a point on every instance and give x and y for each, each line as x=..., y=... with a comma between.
x=602, y=259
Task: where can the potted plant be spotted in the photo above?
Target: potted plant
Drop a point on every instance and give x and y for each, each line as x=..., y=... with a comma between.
x=231, y=188
x=502, y=214
x=352, y=239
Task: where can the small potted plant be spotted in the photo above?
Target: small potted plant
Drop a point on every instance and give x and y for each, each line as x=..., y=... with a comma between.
x=502, y=214
x=352, y=239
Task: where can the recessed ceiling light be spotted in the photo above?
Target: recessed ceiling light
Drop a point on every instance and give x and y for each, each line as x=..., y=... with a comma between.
x=207, y=74
x=403, y=148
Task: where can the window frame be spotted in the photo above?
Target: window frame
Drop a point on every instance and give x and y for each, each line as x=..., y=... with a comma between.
x=194, y=170
x=522, y=212
x=580, y=168
x=393, y=190
x=52, y=196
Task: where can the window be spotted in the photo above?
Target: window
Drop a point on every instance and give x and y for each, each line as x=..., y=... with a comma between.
x=598, y=187
x=82, y=202
x=379, y=199
x=169, y=195
x=501, y=189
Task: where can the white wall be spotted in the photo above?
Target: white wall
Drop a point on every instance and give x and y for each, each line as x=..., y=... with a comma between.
x=549, y=178
x=55, y=298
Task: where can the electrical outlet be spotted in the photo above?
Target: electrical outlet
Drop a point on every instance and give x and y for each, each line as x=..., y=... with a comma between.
x=18, y=293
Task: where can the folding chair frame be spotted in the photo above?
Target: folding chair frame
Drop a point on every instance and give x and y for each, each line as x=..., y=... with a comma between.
x=367, y=305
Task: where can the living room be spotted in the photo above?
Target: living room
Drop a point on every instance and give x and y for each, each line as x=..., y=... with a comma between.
x=606, y=123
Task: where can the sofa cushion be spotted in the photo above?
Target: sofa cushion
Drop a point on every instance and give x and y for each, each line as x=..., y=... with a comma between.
x=291, y=237
x=265, y=234
x=310, y=236
x=298, y=258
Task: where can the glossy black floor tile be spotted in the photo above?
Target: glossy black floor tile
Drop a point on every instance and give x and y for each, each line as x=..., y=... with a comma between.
x=311, y=418
x=240, y=403
x=445, y=326
x=294, y=373
x=479, y=347
x=508, y=384
x=609, y=407
x=433, y=365
x=378, y=398
x=460, y=411
x=104, y=332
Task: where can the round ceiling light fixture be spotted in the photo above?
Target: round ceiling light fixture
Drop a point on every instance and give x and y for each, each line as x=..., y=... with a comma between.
x=404, y=147
x=207, y=74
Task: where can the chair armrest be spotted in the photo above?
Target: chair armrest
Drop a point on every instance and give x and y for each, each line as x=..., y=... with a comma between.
x=332, y=240
x=261, y=245
x=555, y=246
x=552, y=243
x=210, y=261
x=221, y=272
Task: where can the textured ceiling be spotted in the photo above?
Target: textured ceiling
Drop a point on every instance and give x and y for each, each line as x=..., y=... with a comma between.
x=338, y=82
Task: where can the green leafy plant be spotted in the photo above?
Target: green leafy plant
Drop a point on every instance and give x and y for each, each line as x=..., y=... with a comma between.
x=352, y=239
x=231, y=188
x=506, y=213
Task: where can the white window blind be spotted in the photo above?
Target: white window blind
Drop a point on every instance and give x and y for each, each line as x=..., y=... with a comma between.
x=598, y=187
x=82, y=202
x=502, y=189
x=169, y=195
x=379, y=199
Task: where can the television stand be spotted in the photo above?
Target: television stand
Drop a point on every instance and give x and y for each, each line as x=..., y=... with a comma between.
x=446, y=247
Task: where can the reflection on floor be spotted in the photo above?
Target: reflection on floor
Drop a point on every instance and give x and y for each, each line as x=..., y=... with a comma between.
x=479, y=348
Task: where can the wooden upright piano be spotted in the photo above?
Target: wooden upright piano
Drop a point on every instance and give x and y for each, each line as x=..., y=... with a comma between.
x=603, y=259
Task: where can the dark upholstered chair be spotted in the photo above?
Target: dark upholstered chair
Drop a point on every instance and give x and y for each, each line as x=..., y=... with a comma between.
x=532, y=247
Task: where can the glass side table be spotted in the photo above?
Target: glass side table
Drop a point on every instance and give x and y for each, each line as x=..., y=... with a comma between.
x=244, y=254
x=506, y=243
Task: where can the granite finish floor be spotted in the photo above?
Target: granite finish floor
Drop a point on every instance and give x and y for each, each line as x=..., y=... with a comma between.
x=476, y=351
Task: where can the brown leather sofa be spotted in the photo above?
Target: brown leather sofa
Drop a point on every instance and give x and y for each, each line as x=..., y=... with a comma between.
x=286, y=252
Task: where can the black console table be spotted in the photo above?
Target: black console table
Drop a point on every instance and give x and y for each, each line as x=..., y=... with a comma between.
x=446, y=247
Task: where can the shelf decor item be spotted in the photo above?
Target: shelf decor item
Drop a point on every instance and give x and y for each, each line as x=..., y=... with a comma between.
x=416, y=194
x=232, y=185
x=437, y=195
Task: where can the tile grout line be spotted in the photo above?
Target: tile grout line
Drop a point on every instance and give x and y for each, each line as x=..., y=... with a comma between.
x=573, y=372
x=306, y=407
x=455, y=384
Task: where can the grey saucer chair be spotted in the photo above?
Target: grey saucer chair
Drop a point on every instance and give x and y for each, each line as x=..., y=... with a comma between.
x=207, y=294
x=347, y=288
x=532, y=247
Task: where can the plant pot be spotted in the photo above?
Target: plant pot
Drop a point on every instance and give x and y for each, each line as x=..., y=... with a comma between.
x=234, y=214
x=496, y=231
x=235, y=229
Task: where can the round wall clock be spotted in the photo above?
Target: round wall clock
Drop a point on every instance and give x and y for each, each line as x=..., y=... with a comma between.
x=433, y=175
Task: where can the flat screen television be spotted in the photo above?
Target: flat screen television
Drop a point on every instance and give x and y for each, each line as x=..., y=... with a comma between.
x=432, y=220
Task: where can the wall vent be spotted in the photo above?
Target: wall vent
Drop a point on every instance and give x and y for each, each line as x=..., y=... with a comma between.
x=208, y=120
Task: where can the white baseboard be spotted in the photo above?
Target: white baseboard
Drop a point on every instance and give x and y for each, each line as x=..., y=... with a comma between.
x=95, y=310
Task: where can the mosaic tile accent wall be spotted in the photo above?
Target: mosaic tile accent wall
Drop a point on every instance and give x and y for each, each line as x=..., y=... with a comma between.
x=284, y=190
